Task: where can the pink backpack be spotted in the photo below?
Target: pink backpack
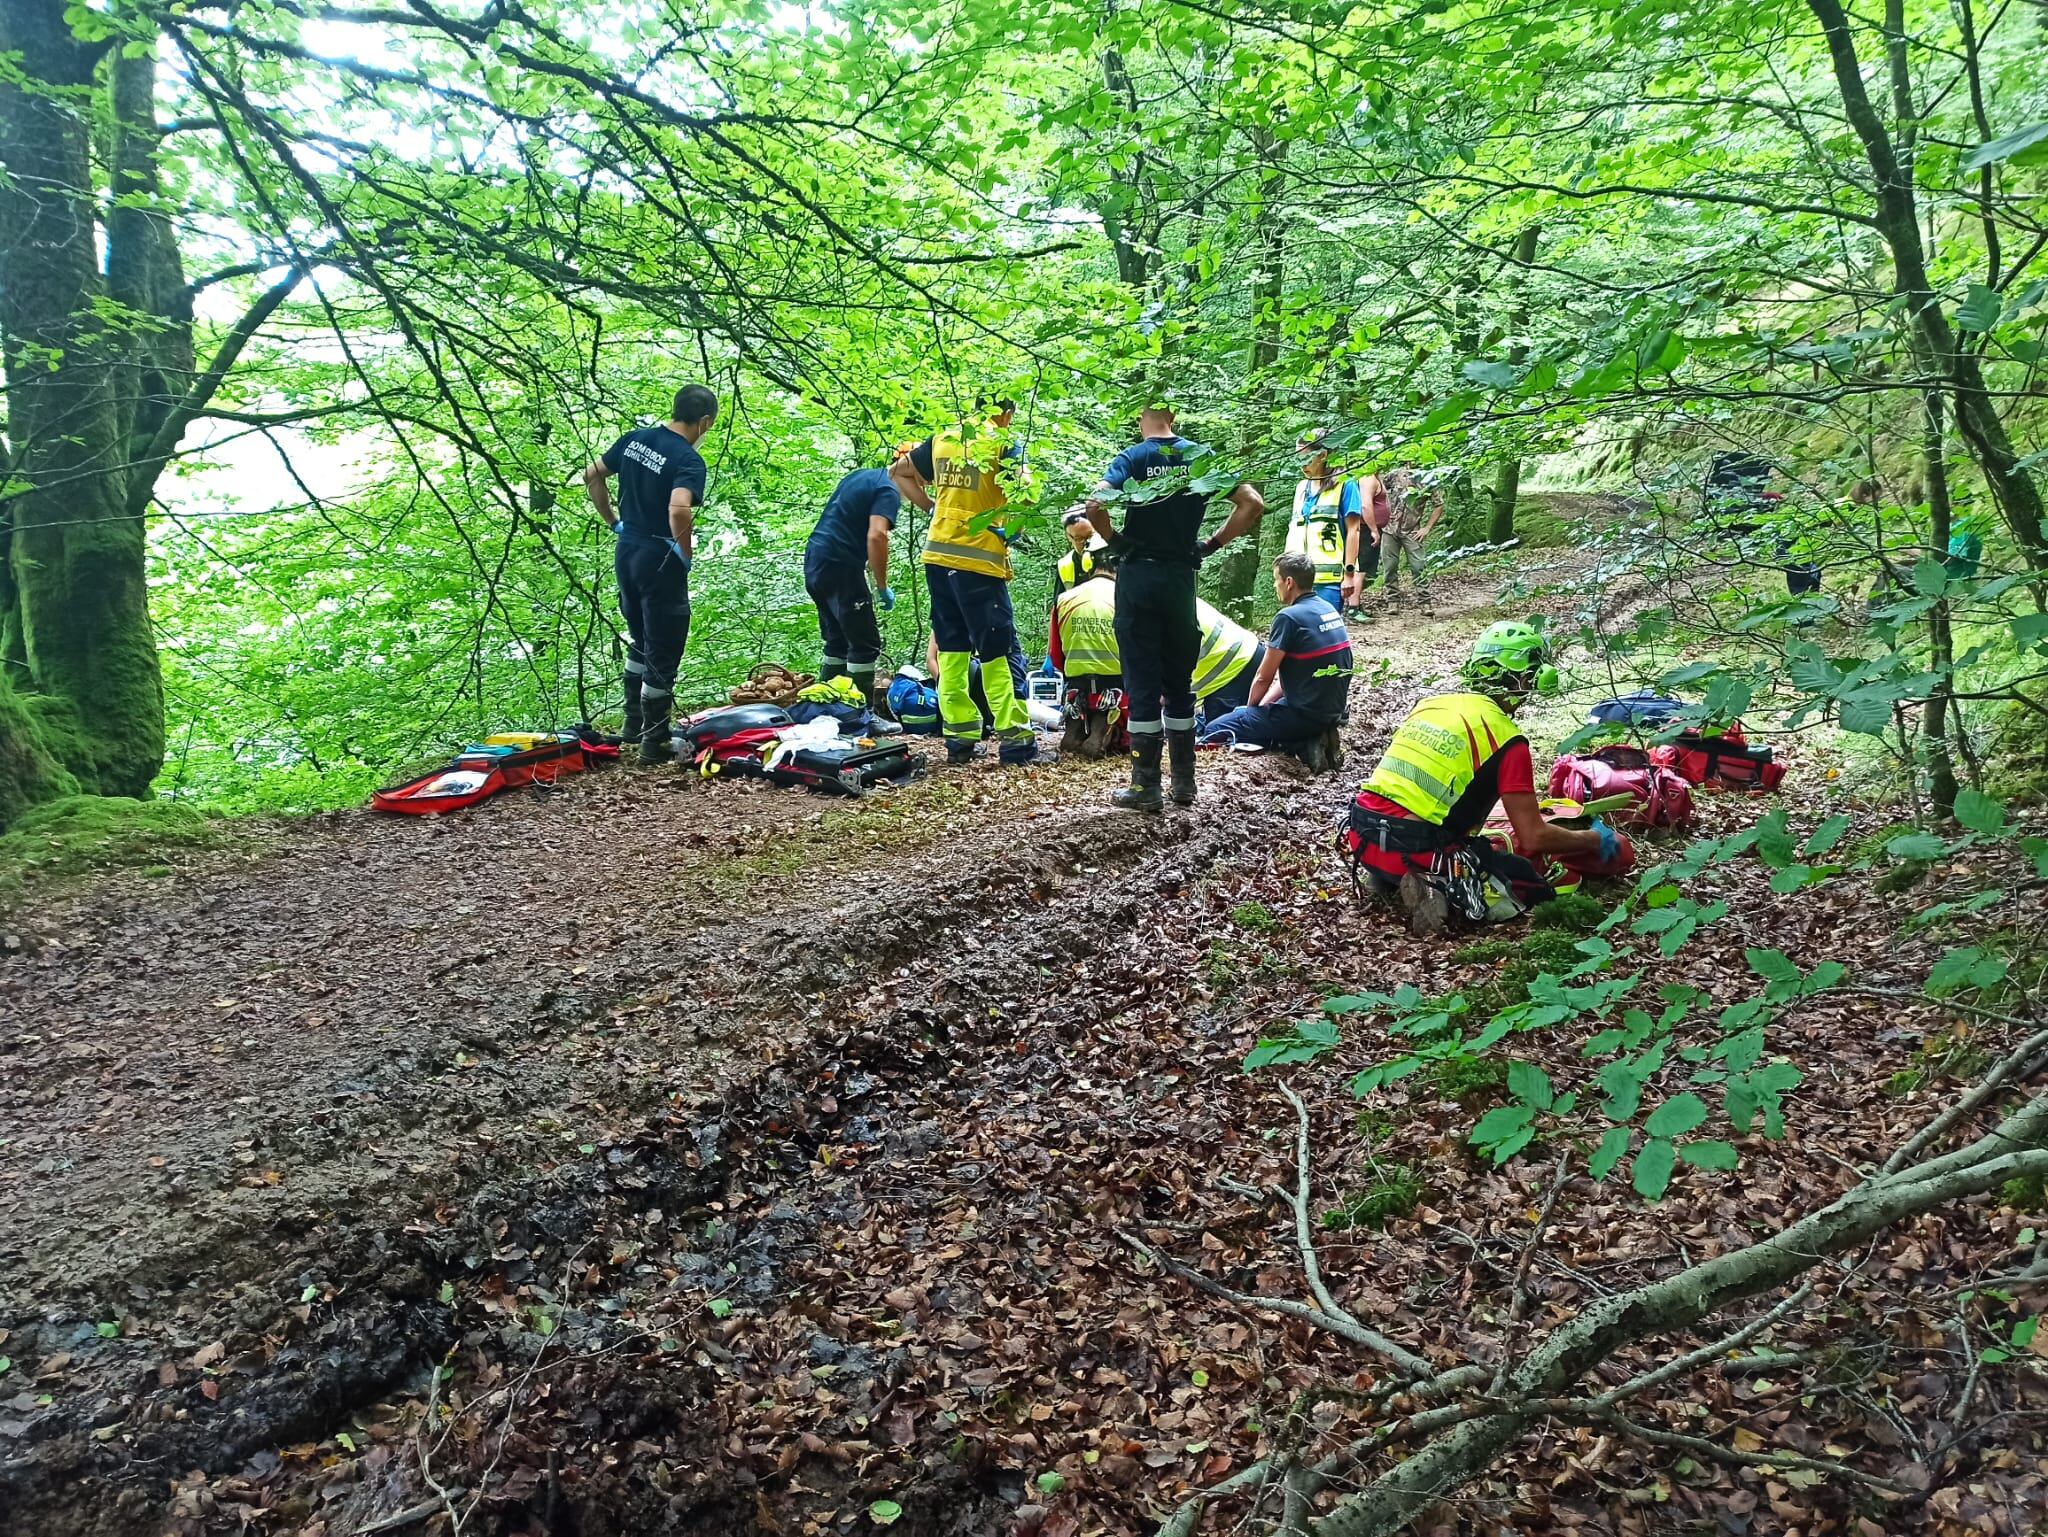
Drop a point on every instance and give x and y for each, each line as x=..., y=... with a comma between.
x=1663, y=798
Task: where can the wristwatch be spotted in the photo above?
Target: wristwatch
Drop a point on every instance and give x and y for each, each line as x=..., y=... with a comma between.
x=1351, y=570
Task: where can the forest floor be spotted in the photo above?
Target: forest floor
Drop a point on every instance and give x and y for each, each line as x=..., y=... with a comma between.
x=750, y=1158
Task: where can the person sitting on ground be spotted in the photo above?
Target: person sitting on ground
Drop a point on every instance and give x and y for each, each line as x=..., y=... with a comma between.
x=1415, y=826
x=1230, y=659
x=1301, y=692
x=1081, y=641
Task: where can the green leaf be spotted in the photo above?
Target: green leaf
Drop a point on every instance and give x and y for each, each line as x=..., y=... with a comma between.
x=1979, y=812
x=1964, y=967
x=1916, y=846
x=1709, y=1154
x=1530, y=1084
x=1609, y=1152
x=2030, y=631
x=1053, y=1483
x=1979, y=310
x=1771, y=965
x=6, y=1365
x=718, y=1307
x=1681, y=1113
x=2036, y=849
x=447, y=1292
x=1825, y=836
x=2024, y=1331
x=2025, y=146
x=1500, y=1123
x=1824, y=976
x=1795, y=878
x=1495, y=376
x=107, y=1331
x=1651, y=1173
x=885, y=1512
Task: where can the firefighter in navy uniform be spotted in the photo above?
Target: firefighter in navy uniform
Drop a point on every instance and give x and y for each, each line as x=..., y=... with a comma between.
x=1159, y=636
x=662, y=480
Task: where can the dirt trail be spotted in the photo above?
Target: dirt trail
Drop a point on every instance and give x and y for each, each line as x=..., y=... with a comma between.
x=871, y=1080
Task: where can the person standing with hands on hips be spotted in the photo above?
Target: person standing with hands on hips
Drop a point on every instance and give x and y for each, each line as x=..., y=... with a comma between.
x=662, y=480
x=851, y=543
x=1159, y=636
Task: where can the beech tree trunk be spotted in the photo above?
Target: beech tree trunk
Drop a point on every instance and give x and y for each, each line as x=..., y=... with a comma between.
x=78, y=605
x=1932, y=337
x=1507, y=476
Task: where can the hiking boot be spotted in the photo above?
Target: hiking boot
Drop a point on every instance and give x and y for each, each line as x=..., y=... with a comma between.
x=1429, y=911
x=1074, y=738
x=1180, y=759
x=959, y=752
x=1017, y=753
x=1100, y=729
x=1143, y=794
x=1330, y=749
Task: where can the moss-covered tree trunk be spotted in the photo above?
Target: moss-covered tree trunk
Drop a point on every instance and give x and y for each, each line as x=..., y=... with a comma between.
x=1237, y=582
x=96, y=360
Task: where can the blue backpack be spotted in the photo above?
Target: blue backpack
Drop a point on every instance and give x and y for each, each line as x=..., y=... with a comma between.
x=915, y=704
x=1643, y=709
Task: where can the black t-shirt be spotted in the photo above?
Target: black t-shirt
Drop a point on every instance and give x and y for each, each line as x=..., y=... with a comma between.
x=841, y=537
x=1162, y=523
x=1315, y=658
x=650, y=464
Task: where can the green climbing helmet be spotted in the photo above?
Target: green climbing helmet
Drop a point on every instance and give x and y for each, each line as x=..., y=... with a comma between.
x=1513, y=655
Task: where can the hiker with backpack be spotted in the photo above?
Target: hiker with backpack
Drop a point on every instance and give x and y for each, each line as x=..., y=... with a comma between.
x=967, y=572
x=662, y=480
x=1415, y=826
x=1301, y=691
x=1329, y=513
x=1159, y=637
x=850, y=544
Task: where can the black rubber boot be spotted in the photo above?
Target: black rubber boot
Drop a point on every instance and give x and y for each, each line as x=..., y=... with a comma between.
x=631, y=731
x=1143, y=794
x=1180, y=759
x=656, y=745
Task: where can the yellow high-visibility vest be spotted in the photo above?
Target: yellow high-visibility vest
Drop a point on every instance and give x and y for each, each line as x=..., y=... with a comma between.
x=1227, y=650
x=1317, y=529
x=1074, y=568
x=1087, y=616
x=965, y=487
x=1437, y=751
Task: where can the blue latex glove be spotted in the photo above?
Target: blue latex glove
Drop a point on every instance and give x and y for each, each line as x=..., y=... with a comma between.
x=885, y=599
x=677, y=551
x=618, y=528
x=1003, y=534
x=1610, y=844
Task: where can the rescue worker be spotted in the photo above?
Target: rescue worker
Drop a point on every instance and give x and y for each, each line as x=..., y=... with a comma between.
x=967, y=570
x=1158, y=635
x=1415, y=827
x=1078, y=564
x=850, y=544
x=1230, y=659
x=662, y=480
x=1081, y=642
x=1329, y=512
x=1301, y=691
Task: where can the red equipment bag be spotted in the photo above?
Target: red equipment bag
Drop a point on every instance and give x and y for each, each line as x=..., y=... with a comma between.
x=480, y=773
x=1662, y=797
x=1726, y=760
x=740, y=751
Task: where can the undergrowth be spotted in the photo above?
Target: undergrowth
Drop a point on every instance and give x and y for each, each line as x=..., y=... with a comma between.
x=78, y=835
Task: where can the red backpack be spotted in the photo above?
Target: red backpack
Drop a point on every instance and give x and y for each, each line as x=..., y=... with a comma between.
x=1663, y=798
x=1726, y=760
